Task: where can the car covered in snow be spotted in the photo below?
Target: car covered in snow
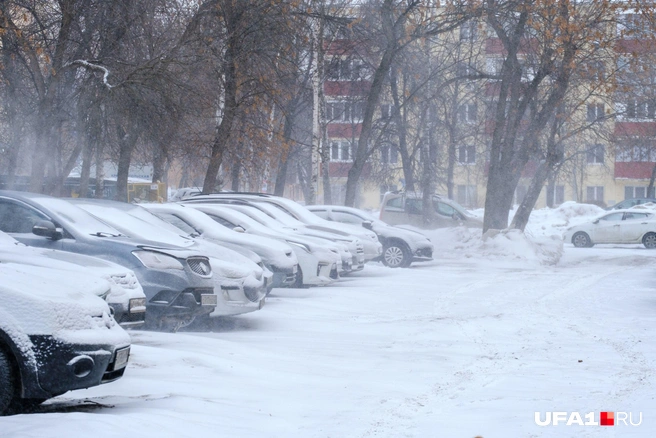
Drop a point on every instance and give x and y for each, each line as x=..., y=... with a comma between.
x=372, y=248
x=616, y=227
x=56, y=335
x=126, y=298
x=240, y=283
x=407, y=209
x=401, y=246
x=278, y=256
x=317, y=260
x=177, y=281
x=631, y=202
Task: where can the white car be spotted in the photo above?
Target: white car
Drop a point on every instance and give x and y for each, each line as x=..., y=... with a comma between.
x=401, y=246
x=126, y=297
x=277, y=256
x=317, y=261
x=372, y=247
x=618, y=226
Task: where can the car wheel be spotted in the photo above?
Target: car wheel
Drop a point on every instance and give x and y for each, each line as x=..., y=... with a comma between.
x=7, y=382
x=396, y=255
x=581, y=240
x=649, y=240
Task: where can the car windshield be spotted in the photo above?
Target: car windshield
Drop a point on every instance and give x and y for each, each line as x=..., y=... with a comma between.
x=75, y=218
x=280, y=215
x=297, y=210
x=6, y=239
x=237, y=218
x=139, y=223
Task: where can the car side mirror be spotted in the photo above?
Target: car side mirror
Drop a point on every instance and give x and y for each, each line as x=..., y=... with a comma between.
x=368, y=225
x=47, y=229
x=239, y=229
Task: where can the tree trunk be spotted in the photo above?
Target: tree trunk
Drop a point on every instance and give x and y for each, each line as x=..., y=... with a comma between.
x=650, y=187
x=234, y=176
x=127, y=142
x=281, y=175
x=230, y=101
x=362, y=152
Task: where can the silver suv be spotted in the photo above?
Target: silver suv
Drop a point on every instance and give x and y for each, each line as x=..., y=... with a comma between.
x=406, y=209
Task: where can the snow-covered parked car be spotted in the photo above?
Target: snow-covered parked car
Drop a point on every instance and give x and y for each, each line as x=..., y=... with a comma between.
x=618, y=226
x=407, y=209
x=401, y=246
x=317, y=261
x=372, y=248
x=240, y=284
x=177, y=282
x=126, y=297
x=277, y=256
x=350, y=249
x=56, y=335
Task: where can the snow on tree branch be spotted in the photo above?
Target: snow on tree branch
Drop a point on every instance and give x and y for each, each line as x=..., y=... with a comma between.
x=90, y=66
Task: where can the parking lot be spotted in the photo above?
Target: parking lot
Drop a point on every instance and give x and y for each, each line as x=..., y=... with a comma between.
x=464, y=345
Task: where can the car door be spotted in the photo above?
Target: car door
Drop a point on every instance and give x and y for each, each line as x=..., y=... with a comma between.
x=17, y=219
x=446, y=216
x=393, y=211
x=607, y=229
x=635, y=225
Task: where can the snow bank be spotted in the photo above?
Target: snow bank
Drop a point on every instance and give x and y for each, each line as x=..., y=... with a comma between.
x=495, y=245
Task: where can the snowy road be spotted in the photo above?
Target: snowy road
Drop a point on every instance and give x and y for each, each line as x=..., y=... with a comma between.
x=458, y=347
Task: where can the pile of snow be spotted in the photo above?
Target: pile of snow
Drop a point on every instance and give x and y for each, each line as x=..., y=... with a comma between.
x=540, y=244
x=496, y=245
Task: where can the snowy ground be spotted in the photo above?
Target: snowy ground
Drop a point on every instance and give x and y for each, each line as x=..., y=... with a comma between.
x=471, y=344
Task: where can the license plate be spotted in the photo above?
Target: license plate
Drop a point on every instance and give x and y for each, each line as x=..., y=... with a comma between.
x=208, y=300
x=122, y=357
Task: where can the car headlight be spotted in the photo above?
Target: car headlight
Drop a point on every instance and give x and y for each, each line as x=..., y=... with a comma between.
x=156, y=260
x=299, y=244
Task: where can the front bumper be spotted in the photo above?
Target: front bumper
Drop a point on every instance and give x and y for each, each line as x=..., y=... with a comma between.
x=63, y=367
x=423, y=254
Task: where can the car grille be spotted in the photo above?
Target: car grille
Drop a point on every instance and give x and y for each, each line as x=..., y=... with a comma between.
x=200, y=266
x=133, y=317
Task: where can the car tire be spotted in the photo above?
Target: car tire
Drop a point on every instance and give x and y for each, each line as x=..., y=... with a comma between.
x=7, y=383
x=582, y=240
x=396, y=255
x=649, y=240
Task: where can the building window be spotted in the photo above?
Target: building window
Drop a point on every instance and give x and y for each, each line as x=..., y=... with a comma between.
x=635, y=192
x=638, y=153
x=466, y=195
x=389, y=154
x=595, y=111
x=386, y=111
x=493, y=65
x=344, y=111
x=640, y=109
x=468, y=31
x=595, y=154
x=595, y=193
x=345, y=69
x=340, y=150
x=467, y=154
x=467, y=113
x=555, y=195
